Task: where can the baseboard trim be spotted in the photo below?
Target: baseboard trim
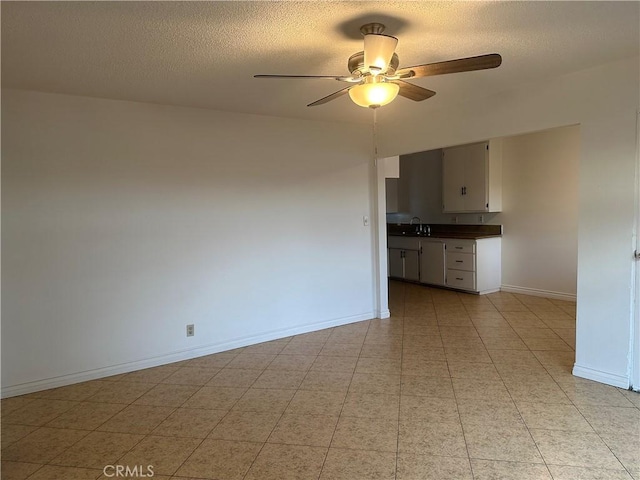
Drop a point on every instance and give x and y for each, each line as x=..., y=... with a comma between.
x=613, y=379
x=382, y=314
x=536, y=292
x=95, y=374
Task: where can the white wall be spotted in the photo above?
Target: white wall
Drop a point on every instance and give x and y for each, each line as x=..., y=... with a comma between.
x=540, y=212
x=603, y=101
x=123, y=222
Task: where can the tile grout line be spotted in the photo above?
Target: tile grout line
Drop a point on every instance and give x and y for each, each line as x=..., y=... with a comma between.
x=404, y=296
x=455, y=398
x=464, y=436
x=89, y=432
x=279, y=418
x=284, y=410
x=518, y=410
x=217, y=423
x=343, y=403
x=221, y=419
x=174, y=410
x=573, y=404
x=547, y=367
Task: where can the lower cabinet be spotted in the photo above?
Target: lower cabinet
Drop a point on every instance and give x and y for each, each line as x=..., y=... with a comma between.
x=404, y=258
x=474, y=265
x=469, y=265
x=461, y=264
x=396, y=263
x=412, y=265
x=432, y=268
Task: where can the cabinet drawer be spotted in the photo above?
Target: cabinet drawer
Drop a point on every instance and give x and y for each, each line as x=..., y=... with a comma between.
x=461, y=279
x=461, y=246
x=461, y=261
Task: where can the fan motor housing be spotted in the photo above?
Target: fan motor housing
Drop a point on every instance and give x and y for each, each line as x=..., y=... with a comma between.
x=356, y=64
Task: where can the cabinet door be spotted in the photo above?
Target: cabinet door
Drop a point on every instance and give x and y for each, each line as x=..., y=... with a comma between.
x=396, y=268
x=432, y=263
x=412, y=265
x=476, y=178
x=453, y=162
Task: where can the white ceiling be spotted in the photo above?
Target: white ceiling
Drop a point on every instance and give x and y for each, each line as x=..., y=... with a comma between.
x=204, y=54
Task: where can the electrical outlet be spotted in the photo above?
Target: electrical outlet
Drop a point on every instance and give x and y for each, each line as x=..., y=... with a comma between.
x=190, y=330
x=481, y=218
x=454, y=219
x=365, y=221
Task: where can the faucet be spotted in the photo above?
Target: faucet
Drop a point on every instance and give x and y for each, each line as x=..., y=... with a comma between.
x=419, y=227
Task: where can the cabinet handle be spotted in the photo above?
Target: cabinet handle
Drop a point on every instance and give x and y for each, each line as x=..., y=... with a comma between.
x=458, y=248
x=458, y=278
x=458, y=261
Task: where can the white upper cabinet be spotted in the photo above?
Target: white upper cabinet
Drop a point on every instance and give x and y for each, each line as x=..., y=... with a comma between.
x=472, y=177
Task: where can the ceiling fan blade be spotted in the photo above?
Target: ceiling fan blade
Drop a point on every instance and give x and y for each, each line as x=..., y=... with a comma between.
x=325, y=77
x=481, y=62
x=414, y=92
x=328, y=98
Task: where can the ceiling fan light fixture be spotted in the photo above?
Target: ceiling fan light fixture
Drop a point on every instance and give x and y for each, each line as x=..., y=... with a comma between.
x=376, y=78
x=378, y=51
x=374, y=94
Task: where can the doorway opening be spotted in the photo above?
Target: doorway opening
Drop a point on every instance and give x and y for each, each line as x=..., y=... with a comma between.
x=539, y=218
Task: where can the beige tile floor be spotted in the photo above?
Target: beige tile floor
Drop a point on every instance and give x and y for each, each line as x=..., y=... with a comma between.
x=452, y=386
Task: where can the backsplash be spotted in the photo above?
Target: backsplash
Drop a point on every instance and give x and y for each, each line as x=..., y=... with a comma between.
x=441, y=218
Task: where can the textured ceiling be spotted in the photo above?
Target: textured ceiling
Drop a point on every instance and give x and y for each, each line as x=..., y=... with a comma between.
x=204, y=54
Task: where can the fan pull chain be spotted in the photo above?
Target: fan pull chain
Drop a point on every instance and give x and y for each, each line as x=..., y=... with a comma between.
x=375, y=136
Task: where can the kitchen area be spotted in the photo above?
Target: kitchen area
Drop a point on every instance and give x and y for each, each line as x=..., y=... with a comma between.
x=499, y=214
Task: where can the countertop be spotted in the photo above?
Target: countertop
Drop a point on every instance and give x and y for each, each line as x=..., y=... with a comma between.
x=466, y=232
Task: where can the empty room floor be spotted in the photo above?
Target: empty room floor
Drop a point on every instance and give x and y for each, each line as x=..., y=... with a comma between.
x=452, y=386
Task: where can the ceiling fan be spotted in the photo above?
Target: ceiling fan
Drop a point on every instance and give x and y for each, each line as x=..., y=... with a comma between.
x=375, y=78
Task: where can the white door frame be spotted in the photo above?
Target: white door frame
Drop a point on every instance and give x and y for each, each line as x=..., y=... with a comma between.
x=635, y=326
x=380, y=251
x=388, y=167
